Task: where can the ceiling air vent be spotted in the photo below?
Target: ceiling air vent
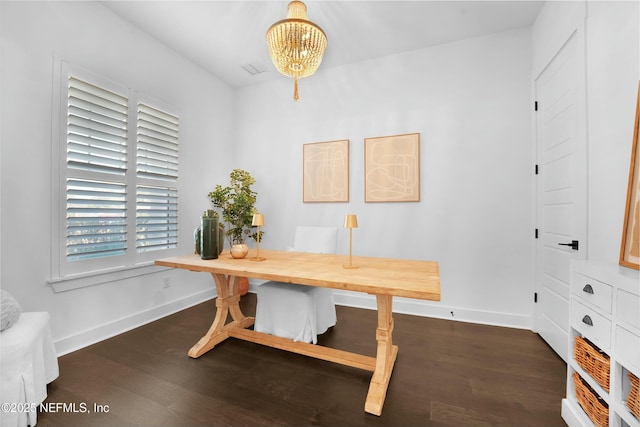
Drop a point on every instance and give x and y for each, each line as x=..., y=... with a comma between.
x=254, y=68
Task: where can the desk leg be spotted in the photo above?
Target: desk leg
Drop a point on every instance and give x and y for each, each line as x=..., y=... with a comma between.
x=385, y=358
x=227, y=302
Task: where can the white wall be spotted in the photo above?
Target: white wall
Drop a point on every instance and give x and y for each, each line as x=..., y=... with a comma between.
x=87, y=34
x=613, y=71
x=612, y=34
x=470, y=102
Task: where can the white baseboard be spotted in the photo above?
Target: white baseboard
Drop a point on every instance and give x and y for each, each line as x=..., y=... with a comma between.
x=92, y=336
x=428, y=309
x=436, y=310
x=350, y=299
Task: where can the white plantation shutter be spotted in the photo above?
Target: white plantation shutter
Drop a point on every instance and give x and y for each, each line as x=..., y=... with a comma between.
x=96, y=212
x=96, y=219
x=118, y=169
x=156, y=162
x=157, y=151
x=156, y=218
x=96, y=128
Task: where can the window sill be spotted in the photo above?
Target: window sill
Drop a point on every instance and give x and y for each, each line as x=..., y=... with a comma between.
x=83, y=280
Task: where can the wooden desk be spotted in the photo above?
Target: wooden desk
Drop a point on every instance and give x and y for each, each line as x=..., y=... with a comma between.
x=382, y=277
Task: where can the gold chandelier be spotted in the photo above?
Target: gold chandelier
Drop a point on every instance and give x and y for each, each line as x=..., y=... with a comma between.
x=296, y=45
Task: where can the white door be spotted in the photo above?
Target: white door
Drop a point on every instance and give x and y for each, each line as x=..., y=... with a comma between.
x=560, y=189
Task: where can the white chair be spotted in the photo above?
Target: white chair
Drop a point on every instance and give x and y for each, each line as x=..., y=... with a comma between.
x=294, y=311
x=28, y=362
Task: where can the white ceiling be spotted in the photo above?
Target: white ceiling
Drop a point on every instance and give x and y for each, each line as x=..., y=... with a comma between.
x=222, y=36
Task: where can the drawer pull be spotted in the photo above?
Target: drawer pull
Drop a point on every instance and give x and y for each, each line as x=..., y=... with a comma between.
x=587, y=320
x=588, y=289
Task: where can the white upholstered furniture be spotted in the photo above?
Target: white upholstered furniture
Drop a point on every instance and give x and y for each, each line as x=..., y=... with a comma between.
x=28, y=363
x=295, y=311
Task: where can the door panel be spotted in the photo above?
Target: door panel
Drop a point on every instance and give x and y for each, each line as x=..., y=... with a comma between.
x=557, y=220
x=556, y=275
x=557, y=314
x=550, y=327
x=559, y=174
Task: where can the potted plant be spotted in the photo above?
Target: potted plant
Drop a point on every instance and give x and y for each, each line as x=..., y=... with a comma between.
x=236, y=203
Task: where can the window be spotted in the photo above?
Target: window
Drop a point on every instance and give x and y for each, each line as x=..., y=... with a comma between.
x=117, y=178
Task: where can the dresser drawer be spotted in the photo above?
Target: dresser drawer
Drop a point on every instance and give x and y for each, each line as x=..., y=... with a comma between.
x=591, y=325
x=592, y=291
x=628, y=310
x=627, y=347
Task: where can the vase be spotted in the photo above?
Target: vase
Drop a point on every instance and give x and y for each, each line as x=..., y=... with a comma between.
x=209, y=235
x=220, y=238
x=197, y=235
x=243, y=285
x=239, y=250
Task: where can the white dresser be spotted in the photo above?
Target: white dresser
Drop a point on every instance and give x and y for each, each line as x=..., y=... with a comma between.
x=605, y=310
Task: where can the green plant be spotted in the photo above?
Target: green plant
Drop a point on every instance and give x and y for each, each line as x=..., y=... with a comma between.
x=236, y=203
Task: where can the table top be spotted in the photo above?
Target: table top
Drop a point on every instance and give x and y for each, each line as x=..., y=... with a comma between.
x=378, y=276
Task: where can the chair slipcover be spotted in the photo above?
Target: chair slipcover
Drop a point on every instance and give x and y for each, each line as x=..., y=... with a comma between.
x=28, y=362
x=294, y=311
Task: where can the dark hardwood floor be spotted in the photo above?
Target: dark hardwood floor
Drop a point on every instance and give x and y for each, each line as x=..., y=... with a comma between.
x=447, y=374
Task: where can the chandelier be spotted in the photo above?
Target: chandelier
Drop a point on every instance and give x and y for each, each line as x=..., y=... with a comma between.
x=296, y=45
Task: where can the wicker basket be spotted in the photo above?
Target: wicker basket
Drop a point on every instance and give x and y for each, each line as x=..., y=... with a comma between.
x=633, y=400
x=596, y=408
x=592, y=360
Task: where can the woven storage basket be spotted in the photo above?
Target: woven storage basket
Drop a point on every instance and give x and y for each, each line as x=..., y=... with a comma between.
x=592, y=360
x=633, y=400
x=596, y=408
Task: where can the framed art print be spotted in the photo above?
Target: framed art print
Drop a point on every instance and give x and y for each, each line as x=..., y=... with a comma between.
x=392, y=168
x=630, y=247
x=325, y=171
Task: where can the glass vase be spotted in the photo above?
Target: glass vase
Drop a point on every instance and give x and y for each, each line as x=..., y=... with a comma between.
x=209, y=235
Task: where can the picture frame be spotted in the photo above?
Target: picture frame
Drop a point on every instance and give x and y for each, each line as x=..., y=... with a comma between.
x=630, y=245
x=392, y=168
x=325, y=172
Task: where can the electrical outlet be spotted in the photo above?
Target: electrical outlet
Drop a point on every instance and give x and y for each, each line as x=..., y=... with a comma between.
x=167, y=282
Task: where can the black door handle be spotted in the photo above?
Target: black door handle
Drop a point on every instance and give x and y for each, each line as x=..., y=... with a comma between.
x=573, y=244
x=587, y=320
x=588, y=289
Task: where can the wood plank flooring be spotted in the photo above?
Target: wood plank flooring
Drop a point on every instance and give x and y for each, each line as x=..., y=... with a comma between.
x=447, y=374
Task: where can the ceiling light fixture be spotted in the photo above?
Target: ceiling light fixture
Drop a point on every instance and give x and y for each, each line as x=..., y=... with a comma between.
x=296, y=45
